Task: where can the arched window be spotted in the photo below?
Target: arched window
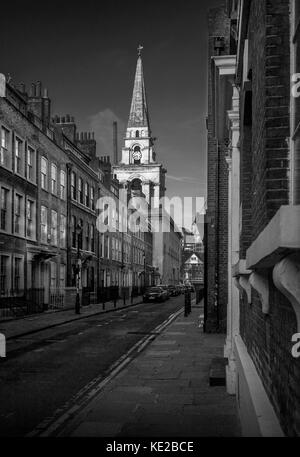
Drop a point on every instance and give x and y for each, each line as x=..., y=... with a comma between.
x=136, y=184
x=137, y=134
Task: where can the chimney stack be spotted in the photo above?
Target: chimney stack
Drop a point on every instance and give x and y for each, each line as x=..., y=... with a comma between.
x=32, y=90
x=38, y=89
x=115, y=142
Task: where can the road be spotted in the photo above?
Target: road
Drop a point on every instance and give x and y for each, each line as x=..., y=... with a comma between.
x=45, y=370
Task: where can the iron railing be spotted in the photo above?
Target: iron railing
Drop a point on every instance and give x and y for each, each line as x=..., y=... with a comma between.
x=19, y=302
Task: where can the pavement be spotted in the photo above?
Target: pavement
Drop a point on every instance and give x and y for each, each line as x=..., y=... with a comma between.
x=164, y=391
x=16, y=328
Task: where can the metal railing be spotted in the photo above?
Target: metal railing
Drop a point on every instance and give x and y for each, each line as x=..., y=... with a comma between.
x=56, y=298
x=19, y=302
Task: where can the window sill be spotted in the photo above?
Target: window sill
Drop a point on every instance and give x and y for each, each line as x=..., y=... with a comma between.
x=280, y=238
x=278, y=248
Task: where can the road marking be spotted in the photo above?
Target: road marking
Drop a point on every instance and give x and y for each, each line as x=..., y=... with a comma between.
x=57, y=423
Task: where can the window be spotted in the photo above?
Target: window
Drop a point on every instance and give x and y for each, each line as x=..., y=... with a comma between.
x=80, y=234
x=295, y=108
x=137, y=134
x=53, y=179
x=62, y=185
x=18, y=155
x=5, y=154
x=73, y=234
x=113, y=241
x=4, y=209
x=80, y=190
x=18, y=228
x=62, y=231
x=30, y=219
x=30, y=163
x=87, y=237
x=53, y=275
x=44, y=173
x=106, y=247
x=54, y=228
x=93, y=198
x=137, y=155
x=44, y=224
x=17, y=274
x=73, y=185
x=102, y=245
x=4, y=275
x=62, y=276
x=92, y=236
x=86, y=193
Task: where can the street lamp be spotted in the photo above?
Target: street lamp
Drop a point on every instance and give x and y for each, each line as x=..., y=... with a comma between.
x=78, y=268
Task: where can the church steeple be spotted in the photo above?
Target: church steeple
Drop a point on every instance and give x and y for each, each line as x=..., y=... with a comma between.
x=138, y=167
x=139, y=117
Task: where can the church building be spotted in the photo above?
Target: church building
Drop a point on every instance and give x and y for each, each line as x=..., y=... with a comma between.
x=141, y=174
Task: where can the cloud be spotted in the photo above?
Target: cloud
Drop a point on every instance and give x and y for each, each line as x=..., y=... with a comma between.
x=186, y=179
x=102, y=124
x=193, y=123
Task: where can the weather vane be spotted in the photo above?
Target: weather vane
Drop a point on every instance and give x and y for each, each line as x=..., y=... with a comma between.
x=140, y=48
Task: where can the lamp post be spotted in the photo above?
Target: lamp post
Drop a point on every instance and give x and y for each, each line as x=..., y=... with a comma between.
x=78, y=268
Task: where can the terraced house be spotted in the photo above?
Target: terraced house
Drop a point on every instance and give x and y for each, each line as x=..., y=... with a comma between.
x=255, y=131
x=33, y=233
x=51, y=179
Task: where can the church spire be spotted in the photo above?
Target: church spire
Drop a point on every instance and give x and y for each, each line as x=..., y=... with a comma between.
x=138, y=116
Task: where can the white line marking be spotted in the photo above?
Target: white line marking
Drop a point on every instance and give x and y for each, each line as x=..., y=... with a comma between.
x=51, y=425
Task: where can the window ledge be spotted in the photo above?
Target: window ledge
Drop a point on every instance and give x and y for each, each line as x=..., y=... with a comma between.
x=280, y=238
x=286, y=277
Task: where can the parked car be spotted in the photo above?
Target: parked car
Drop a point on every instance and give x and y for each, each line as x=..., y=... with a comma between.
x=155, y=294
x=189, y=287
x=174, y=290
x=166, y=288
x=179, y=289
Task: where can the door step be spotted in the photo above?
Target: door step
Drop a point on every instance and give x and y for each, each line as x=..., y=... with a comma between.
x=217, y=372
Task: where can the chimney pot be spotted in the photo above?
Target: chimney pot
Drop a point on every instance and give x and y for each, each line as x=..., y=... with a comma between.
x=38, y=89
x=22, y=88
x=45, y=94
x=32, y=90
x=72, y=119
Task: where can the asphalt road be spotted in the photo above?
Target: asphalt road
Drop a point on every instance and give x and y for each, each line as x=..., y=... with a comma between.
x=44, y=370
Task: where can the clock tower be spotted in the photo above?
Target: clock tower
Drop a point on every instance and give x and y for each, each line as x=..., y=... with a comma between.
x=138, y=168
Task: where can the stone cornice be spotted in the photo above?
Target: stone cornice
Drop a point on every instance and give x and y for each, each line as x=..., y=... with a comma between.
x=225, y=64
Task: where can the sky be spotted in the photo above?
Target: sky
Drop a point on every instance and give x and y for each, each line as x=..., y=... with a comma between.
x=85, y=54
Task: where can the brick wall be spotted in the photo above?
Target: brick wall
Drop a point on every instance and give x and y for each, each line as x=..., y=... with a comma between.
x=217, y=192
x=265, y=156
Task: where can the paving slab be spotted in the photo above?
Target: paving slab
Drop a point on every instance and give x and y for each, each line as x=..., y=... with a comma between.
x=165, y=392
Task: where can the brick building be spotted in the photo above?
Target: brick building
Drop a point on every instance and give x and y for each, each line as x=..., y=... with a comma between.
x=50, y=181
x=33, y=200
x=263, y=310
x=221, y=51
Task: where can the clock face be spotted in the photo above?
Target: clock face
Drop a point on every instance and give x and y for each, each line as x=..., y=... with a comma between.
x=137, y=155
